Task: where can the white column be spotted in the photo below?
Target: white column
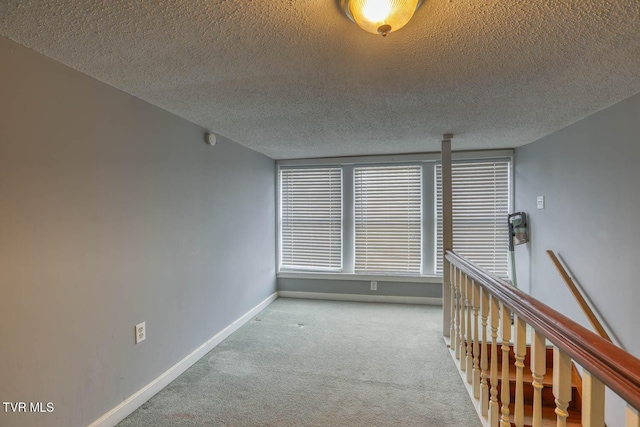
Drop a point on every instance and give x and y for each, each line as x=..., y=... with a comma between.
x=447, y=230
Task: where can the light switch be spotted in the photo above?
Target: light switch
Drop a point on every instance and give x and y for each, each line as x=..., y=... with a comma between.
x=540, y=202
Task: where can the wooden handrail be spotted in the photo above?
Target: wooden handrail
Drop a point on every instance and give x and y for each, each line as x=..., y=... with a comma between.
x=617, y=369
x=578, y=296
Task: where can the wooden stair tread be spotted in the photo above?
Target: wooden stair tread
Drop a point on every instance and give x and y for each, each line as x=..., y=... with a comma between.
x=548, y=416
x=547, y=380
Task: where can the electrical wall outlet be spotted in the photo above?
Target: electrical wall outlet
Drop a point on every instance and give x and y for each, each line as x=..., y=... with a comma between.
x=141, y=332
x=374, y=285
x=540, y=202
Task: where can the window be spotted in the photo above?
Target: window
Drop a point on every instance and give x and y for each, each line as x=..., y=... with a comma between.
x=360, y=216
x=480, y=209
x=388, y=220
x=311, y=219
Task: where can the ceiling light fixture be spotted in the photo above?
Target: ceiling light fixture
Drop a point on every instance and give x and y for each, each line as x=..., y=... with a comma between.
x=380, y=16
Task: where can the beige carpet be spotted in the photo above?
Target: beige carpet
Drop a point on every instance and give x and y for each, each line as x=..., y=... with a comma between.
x=321, y=363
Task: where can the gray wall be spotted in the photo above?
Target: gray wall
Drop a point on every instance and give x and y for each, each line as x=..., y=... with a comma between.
x=114, y=212
x=361, y=287
x=589, y=175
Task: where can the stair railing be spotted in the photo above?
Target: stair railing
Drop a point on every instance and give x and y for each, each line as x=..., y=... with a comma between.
x=480, y=300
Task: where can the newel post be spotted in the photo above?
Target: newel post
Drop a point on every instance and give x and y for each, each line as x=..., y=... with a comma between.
x=447, y=232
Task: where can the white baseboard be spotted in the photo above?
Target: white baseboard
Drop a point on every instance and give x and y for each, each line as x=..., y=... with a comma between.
x=133, y=402
x=361, y=298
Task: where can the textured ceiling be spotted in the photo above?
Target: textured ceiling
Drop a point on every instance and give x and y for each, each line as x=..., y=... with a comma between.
x=296, y=78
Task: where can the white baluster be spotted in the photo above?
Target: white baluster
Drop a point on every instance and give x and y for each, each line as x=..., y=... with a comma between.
x=459, y=314
x=561, y=385
x=463, y=323
x=505, y=319
x=538, y=370
x=456, y=323
x=494, y=419
x=633, y=417
x=520, y=351
x=469, y=296
x=452, y=322
x=484, y=388
x=592, y=401
x=476, y=340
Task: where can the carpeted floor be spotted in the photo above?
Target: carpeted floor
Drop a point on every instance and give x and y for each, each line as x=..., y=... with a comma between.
x=321, y=363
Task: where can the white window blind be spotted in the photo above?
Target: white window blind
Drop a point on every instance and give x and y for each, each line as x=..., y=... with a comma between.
x=311, y=219
x=480, y=210
x=388, y=219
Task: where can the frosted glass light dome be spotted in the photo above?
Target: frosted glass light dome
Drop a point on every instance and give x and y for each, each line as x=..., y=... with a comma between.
x=380, y=16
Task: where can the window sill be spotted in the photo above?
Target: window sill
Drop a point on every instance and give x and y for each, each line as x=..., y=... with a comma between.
x=360, y=277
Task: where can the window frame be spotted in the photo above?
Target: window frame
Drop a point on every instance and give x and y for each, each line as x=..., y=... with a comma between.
x=421, y=217
x=510, y=203
x=317, y=270
x=429, y=213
